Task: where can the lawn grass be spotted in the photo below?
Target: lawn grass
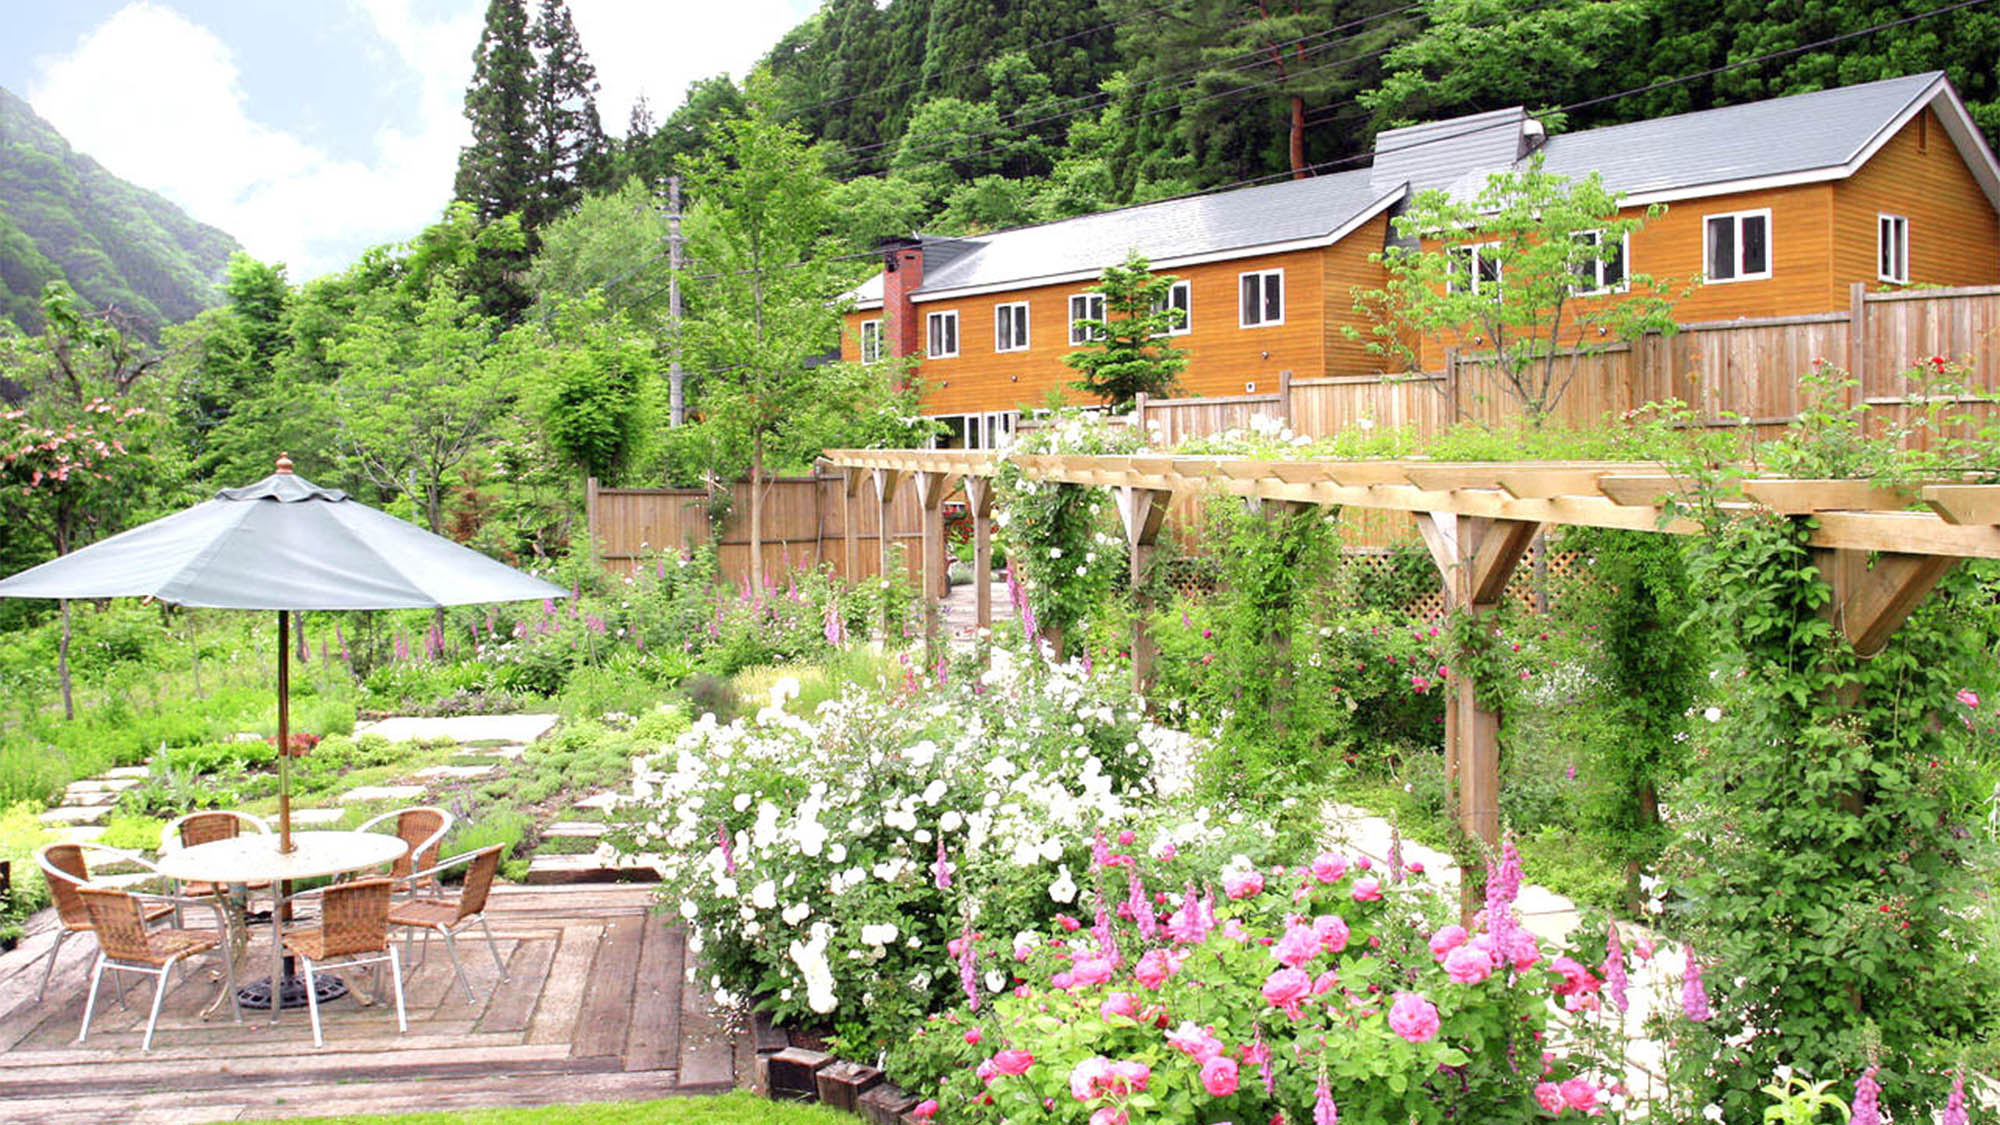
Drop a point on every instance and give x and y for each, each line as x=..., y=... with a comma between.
x=739, y=1108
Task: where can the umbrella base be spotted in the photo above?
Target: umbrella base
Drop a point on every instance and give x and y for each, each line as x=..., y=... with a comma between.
x=292, y=993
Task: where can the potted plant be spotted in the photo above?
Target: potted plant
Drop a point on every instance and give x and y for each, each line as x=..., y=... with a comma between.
x=299, y=744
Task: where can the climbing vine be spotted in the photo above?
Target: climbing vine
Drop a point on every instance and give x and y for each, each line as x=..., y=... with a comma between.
x=1063, y=541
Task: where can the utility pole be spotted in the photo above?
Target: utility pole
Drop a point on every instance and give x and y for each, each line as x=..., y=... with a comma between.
x=676, y=380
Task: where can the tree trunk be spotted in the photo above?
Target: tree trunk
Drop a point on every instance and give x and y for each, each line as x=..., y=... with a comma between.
x=62, y=663
x=757, y=516
x=1299, y=137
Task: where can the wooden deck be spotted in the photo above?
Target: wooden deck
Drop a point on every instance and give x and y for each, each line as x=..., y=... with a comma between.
x=593, y=1009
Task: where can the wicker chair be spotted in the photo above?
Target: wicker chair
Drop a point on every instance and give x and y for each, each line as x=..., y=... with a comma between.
x=423, y=828
x=125, y=945
x=353, y=929
x=64, y=868
x=447, y=918
x=206, y=827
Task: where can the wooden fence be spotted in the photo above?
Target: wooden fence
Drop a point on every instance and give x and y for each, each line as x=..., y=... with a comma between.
x=804, y=525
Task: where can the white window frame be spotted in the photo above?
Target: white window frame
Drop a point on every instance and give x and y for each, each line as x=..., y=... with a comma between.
x=871, y=342
x=1770, y=246
x=931, y=325
x=1473, y=256
x=1077, y=335
x=1001, y=315
x=1624, y=262
x=1892, y=244
x=1187, y=306
x=1264, y=276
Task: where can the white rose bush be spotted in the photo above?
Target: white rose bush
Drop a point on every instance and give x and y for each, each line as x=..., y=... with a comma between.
x=823, y=863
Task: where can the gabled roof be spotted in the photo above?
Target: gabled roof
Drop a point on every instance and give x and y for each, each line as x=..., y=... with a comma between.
x=1804, y=138
x=1291, y=215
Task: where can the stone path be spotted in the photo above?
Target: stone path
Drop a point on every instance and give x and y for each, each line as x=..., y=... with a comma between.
x=516, y=730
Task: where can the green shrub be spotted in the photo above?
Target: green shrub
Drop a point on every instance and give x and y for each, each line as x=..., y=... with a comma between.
x=21, y=833
x=208, y=757
x=132, y=833
x=501, y=824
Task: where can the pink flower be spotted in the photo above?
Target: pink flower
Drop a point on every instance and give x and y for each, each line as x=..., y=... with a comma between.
x=1468, y=965
x=1332, y=932
x=925, y=1110
x=1088, y=1077
x=1119, y=1004
x=1367, y=890
x=1068, y=923
x=1328, y=867
x=1285, y=988
x=1614, y=969
x=1549, y=1096
x=1969, y=697
x=1197, y=1043
x=1581, y=1096
x=1867, y=1095
x=1694, y=998
x=1522, y=951
x=1109, y=1115
x=1089, y=971
x=1447, y=939
x=1155, y=967
x=1413, y=1017
x=1218, y=1076
x=1326, y=982
x=1414, y=867
x=1954, y=1107
x=1324, y=1111
x=1243, y=884
x=1013, y=1062
x=1125, y=838
x=1300, y=944
x=974, y=1035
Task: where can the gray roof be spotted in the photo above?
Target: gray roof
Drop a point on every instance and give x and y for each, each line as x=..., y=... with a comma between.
x=1293, y=211
x=1801, y=133
x=1778, y=137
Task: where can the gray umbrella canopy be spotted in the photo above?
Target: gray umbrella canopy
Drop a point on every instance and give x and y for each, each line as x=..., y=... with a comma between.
x=282, y=543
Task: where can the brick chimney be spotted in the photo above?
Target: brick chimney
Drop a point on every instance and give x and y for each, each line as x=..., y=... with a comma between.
x=902, y=275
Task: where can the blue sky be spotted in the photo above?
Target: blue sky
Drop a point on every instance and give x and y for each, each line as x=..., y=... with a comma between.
x=311, y=129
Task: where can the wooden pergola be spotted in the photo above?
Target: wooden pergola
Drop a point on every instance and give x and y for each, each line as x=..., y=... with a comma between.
x=1880, y=549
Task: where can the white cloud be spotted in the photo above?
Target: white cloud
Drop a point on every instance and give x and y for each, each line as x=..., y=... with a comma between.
x=659, y=46
x=156, y=99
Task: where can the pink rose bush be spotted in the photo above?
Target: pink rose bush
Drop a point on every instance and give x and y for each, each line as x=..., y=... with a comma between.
x=1322, y=994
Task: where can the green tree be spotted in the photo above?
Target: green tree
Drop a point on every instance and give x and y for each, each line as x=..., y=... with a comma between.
x=761, y=267
x=497, y=172
x=1130, y=351
x=1531, y=272
x=614, y=244
x=81, y=454
x=596, y=390
x=949, y=142
x=571, y=153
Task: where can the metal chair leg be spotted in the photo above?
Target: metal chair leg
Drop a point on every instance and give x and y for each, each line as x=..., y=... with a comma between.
x=451, y=947
x=229, y=978
x=312, y=999
x=159, y=994
x=396, y=974
x=90, y=1005
x=492, y=948
x=62, y=935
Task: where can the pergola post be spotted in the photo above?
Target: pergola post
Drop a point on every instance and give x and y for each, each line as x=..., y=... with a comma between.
x=886, y=481
x=931, y=491
x=850, y=535
x=1477, y=555
x=1142, y=511
x=979, y=496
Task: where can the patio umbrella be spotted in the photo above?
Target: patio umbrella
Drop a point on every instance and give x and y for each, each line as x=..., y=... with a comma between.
x=281, y=544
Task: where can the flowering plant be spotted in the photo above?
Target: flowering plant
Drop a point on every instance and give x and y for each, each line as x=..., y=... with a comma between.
x=1308, y=993
x=1061, y=540
x=823, y=862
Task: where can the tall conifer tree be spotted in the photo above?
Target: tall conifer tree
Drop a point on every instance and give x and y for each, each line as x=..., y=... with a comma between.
x=496, y=171
x=570, y=150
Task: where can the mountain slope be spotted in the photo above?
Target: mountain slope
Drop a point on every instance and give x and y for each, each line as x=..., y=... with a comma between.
x=62, y=216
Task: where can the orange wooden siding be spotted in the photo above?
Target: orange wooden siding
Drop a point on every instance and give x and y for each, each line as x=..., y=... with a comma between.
x=1954, y=231
x=1348, y=269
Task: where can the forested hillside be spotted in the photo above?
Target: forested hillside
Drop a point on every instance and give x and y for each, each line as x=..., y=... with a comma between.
x=63, y=217
x=962, y=115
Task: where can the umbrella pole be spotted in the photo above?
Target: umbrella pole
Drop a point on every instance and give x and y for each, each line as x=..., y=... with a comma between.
x=284, y=732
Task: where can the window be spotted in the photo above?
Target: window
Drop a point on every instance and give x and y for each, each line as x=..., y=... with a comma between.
x=1179, y=296
x=943, y=335
x=1263, y=298
x=1600, y=271
x=871, y=341
x=1082, y=307
x=991, y=430
x=1892, y=248
x=1474, y=269
x=1010, y=327
x=1737, y=247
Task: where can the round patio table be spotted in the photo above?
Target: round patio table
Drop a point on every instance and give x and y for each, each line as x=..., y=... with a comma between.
x=256, y=859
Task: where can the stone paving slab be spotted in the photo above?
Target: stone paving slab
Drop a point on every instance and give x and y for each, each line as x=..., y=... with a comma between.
x=139, y=772
x=604, y=801
x=513, y=729
x=511, y=753
x=76, y=814
x=318, y=817
x=89, y=797
x=108, y=784
x=456, y=771
x=382, y=793
x=573, y=829
x=80, y=833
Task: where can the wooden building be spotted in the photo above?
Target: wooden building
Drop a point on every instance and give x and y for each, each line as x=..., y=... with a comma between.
x=1777, y=207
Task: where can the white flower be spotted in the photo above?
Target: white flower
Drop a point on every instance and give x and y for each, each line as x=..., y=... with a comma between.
x=1713, y=714
x=935, y=791
x=1712, y=1112
x=879, y=934
x=995, y=980
x=950, y=821
x=1055, y=552
x=785, y=690
x=741, y=802
x=689, y=909
x=796, y=913
x=810, y=957
x=1063, y=890
x=764, y=896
